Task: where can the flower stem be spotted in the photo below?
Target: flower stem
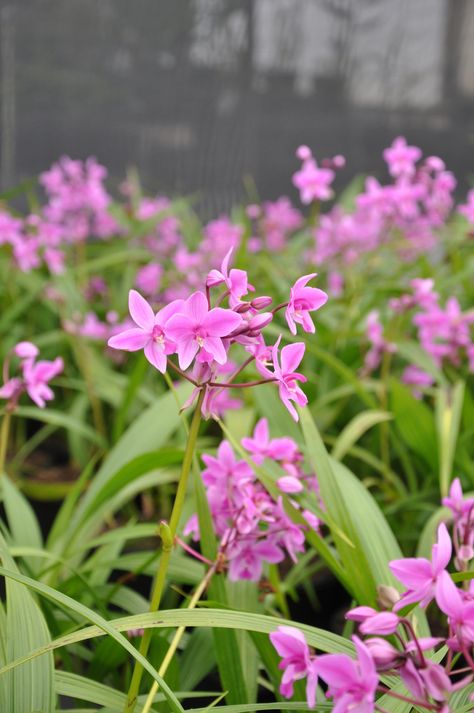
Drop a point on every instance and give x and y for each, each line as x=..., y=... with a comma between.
x=244, y=385
x=178, y=636
x=4, y=433
x=414, y=702
x=168, y=534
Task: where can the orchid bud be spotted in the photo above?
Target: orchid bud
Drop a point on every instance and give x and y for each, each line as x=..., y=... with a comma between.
x=465, y=553
x=26, y=350
x=360, y=613
x=383, y=654
x=382, y=623
x=242, y=307
x=387, y=596
x=260, y=321
x=261, y=302
x=437, y=681
x=303, y=153
x=289, y=484
x=338, y=161
x=253, y=211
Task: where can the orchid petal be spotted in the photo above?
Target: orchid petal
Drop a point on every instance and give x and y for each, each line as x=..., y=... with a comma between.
x=140, y=311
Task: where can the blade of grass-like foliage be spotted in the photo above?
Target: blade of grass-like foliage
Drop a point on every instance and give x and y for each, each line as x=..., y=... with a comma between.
x=150, y=431
x=64, y=515
x=449, y=403
x=197, y=660
x=368, y=457
x=72, y=542
x=75, y=686
x=270, y=406
x=356, y=428
x=244, y=596
x=130, y=471
x=428, y=534
x=133, y=384
x=320, y=639
x=88, y=614
x=3, y=637
x=250, y=707
x=335, y=364
x=355, y=512
x=85, y=689
x=62, y=420
x=414, y=354
x=30, y=687
x=23, y=525
x=415, y=423
x=353, y=557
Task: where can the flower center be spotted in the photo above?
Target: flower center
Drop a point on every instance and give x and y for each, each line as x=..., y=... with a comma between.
x=157, y=334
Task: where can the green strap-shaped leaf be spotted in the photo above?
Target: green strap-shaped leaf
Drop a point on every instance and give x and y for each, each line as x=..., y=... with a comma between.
x=102, y=624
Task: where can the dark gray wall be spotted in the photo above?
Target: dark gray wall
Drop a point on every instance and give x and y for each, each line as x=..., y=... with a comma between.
x=200, y=93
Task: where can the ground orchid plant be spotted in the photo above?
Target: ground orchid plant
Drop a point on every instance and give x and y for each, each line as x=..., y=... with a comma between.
x=222, y=452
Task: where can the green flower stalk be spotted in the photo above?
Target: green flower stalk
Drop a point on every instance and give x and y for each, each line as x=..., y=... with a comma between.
x=167, y=533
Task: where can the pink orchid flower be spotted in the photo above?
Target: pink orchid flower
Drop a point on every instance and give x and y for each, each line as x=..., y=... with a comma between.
x=458, y=504
x=26, y=350
x=401, y=158
x=303, y=300
x=313, y=182
x=36, y=376
x=296, y=662
x=286, y=376
x=246, y=558
x=419, y=574
x=261, y=446
x=197, y=327
x=149, y=334
x=459, y=610
x=235, y=280
x=381, y=623
x=352, y=684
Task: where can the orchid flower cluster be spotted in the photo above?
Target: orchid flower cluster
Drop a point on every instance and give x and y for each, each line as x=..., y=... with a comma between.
x=201, y=335
x=428, y=682
x=405, y=212
x=33, y=376
x=314, y=182
x=77, y=208
x=444, y=333
x=252, y=526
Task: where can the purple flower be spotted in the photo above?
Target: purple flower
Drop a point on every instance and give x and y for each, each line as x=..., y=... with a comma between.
x=261, y=446
x=149, y=334
x=35, y=378
x=313, y=183
x=416, y=377
x=302, y=301
x=419, y=574
x=467, y=209
x=286, y=376
x=296, y=662
x=459, y=505
x=36, y=375
x=401, y=158
x=352, y=684
x=235, y=280
x=382, y=623
x=383, y=654
x=197, y=327
x=460, y=611
x=246, y=558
